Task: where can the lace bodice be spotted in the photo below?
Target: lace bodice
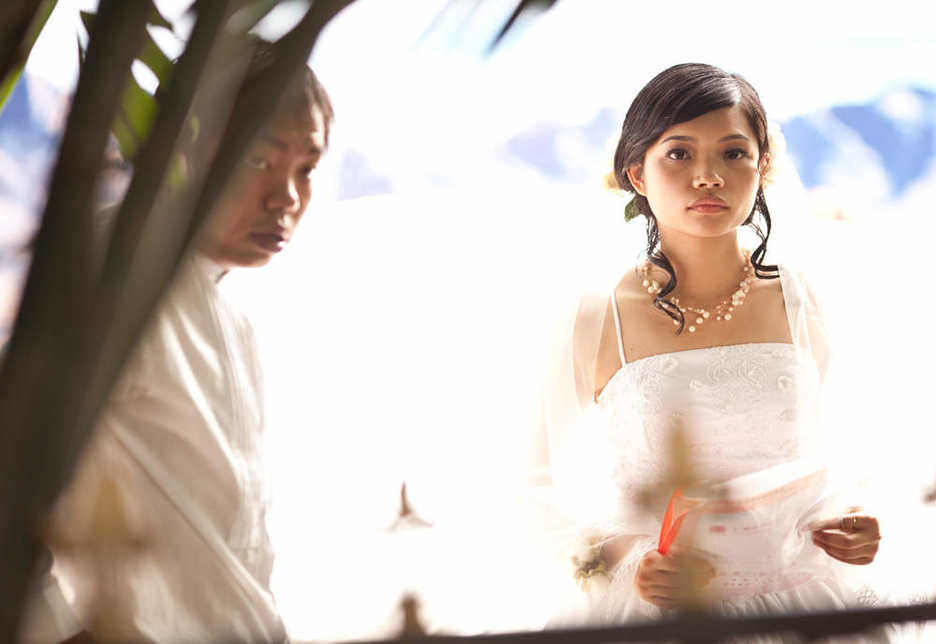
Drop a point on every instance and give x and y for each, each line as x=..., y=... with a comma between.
x=743, y=407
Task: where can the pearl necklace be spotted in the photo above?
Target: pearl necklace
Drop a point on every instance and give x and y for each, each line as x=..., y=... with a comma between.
x=722, y=311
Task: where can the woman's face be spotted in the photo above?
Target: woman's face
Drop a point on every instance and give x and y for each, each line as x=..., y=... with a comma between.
x=701, y=176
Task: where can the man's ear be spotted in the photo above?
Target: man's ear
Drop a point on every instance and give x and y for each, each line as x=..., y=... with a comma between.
x=635, y=176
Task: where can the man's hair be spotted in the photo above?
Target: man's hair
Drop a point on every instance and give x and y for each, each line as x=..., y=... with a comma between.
x=302, y=95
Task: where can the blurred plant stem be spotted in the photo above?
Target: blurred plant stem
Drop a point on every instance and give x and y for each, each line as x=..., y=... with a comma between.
x=21, y=22
x=41, y=376
x=81, y=314
x=86, y=303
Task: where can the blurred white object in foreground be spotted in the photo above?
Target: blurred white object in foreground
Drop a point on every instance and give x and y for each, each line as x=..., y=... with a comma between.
x=403, y=338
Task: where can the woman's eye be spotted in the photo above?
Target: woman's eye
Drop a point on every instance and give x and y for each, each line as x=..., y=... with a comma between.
x=257, y=162
x=735, y=154
x=678, y=154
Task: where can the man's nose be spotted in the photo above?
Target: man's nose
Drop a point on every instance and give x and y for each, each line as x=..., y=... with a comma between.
x=282, y=195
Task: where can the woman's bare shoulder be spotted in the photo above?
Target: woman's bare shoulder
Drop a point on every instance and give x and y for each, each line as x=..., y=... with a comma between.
x=627, y=296
x=595, y=308
x=630, y=294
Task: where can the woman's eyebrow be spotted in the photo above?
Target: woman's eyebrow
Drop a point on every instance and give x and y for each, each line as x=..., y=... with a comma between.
x=691, y=139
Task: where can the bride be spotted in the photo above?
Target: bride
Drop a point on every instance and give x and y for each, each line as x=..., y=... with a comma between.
x=706, y=336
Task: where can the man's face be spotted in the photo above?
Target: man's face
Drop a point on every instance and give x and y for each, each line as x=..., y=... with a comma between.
x=258, y=213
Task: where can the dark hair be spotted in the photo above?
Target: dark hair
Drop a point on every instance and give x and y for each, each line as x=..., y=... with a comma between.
x=676, y=95
x=302, y=95
x=249, y=64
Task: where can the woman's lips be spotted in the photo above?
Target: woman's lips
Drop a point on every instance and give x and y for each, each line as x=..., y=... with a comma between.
x=709, y=205
x=268, y=241
x=708, y=209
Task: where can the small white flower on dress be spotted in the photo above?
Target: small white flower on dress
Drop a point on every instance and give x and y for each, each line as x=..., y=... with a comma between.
x=918, y=598
x=867, y=597
x=778, y=352
x=721, y=370
x=696, y=385
x=784, y=383
x=669, y=363
x=788, y=415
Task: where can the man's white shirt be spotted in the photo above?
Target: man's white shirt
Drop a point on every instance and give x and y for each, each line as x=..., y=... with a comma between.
x=176, y=461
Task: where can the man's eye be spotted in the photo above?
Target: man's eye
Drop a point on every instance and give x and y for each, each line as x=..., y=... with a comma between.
x=258, y=163
x=678, y=154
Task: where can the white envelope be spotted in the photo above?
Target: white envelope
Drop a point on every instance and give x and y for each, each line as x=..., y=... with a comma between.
x=754, y=529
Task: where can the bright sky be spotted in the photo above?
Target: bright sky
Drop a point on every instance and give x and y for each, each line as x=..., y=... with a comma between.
x=806, y=55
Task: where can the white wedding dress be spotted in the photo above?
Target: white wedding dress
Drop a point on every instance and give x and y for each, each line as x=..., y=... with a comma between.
x=744, y=408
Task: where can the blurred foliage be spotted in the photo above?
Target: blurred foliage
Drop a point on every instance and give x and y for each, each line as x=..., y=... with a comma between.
x=138, y=108
x=21, y=22
x=524, y=7
x=85, y=303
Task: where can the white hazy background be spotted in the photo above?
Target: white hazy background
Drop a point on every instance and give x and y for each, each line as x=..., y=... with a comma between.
x=403, y=334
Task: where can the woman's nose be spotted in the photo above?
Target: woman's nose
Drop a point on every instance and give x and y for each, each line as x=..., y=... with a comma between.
x=707, y=177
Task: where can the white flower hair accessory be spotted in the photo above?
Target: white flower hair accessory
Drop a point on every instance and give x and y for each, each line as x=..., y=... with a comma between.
x=777, y=158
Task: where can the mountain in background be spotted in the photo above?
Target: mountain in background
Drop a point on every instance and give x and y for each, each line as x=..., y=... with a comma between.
x=872, y=155
x=898, y=130
x=872, y=159
x=880, y=151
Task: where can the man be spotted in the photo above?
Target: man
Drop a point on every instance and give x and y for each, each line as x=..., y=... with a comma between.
x=161, y=534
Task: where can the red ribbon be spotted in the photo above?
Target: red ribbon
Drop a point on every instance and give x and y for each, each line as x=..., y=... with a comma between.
x=672, y=521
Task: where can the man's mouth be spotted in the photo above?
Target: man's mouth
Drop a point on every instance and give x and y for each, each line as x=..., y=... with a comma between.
x=269, y=241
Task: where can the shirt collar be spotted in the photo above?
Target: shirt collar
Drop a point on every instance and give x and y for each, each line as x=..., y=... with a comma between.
x=209, y=267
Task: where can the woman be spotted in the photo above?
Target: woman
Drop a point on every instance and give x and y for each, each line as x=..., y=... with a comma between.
x=707, y=337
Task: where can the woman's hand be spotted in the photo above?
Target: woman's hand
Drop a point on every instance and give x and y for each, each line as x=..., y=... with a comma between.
x=669, y=580
x=853, y=538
